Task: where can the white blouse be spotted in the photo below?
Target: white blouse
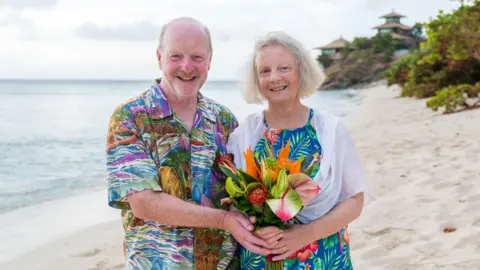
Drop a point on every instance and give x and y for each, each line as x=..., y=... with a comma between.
x=340, y=176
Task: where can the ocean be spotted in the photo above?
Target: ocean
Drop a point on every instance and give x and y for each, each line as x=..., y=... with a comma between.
x=52, y=133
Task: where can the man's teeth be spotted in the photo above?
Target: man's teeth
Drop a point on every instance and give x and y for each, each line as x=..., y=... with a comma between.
x=185, y=78
x=279, y=88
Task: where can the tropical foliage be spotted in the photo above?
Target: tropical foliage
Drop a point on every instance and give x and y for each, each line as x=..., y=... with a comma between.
x=381, y=43
x=453, y=98
x=447, y=67
x=365, y=59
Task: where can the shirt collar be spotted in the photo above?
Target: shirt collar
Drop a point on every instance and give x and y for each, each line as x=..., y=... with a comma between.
x=160, y=108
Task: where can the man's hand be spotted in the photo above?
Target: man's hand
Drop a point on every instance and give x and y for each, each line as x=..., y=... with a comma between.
x=241, y=229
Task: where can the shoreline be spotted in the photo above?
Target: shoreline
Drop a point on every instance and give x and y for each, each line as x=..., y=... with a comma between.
x=421, y=174
x=51, y=220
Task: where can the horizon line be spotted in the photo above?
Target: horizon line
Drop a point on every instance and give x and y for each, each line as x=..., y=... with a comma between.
x=95, y=79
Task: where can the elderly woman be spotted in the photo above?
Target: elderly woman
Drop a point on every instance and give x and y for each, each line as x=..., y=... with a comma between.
x=282, y=72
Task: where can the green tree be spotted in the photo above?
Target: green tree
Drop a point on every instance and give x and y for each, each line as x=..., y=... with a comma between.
x=418, y=34
x=417, y=30
x=324, y=60
x=362, y=43
x=385, y=44
x=449, y=65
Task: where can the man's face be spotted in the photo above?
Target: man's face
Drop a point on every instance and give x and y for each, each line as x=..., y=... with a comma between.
x=184, y=59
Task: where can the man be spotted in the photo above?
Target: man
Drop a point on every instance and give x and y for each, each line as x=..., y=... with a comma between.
x=161, y=152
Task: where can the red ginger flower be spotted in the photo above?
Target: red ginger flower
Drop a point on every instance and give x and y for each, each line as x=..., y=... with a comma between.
x=258, y=195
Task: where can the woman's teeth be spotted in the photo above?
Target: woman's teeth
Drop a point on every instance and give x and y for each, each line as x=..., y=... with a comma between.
x=280, y=88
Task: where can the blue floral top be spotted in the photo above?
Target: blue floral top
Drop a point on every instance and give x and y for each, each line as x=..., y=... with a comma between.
x=331, y=252
x=303, y=142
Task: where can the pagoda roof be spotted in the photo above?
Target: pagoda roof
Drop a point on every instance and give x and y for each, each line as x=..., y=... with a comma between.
x=336, y=44
x=393, y=25
x=393, y=14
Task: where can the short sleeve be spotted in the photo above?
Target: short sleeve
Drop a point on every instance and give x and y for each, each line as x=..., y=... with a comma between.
x=130, y=167
x=233, y=147
x=353, y=175
x=230, y=124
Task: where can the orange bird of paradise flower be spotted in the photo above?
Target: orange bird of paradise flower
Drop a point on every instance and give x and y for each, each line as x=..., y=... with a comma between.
x=269, y=169
x=283, y=161
x=251, y=165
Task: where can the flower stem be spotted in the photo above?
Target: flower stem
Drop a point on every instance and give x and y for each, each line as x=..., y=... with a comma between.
x=271, y=264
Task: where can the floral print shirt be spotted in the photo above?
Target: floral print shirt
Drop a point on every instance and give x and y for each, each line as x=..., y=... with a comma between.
x=148, y=148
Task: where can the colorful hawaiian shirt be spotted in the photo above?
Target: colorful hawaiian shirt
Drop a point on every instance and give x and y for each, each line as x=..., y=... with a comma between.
x=148, y=148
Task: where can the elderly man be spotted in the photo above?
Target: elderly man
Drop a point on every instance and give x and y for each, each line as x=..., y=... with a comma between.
x=161, y=153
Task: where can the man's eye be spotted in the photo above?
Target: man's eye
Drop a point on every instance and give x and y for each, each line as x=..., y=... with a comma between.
x=198, y=58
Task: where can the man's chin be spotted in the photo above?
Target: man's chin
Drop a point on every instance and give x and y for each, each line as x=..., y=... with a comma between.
x=187, y=91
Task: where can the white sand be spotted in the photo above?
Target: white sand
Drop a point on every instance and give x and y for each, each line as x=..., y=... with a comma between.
x=424, y=175
x=61, y=234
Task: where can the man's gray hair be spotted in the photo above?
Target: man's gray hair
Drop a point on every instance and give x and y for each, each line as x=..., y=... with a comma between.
x=189, y=20
x=310, y=71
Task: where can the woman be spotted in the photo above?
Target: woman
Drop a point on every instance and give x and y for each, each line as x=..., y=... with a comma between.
x=282, y=72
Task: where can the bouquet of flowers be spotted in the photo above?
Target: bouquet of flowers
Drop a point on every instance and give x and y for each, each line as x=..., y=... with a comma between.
x=273, y=190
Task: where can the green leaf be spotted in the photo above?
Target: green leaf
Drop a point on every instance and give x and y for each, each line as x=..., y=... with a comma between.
x=228, y=172
x=258, y=209
x=247, y=177
x=282, y=184
x=233, y=189
x=266, y=177
x=243, y=205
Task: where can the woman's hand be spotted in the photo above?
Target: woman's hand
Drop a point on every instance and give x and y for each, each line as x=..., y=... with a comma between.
x=294, y=238
x=270, y=234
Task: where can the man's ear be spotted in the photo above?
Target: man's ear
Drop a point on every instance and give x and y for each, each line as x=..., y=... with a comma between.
x=209, y=61
x=159, y=58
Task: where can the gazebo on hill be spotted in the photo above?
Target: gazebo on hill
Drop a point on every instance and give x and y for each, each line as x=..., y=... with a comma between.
x=333, y=47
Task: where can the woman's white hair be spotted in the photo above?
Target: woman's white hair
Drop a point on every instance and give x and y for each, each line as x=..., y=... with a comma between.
x=310, y=71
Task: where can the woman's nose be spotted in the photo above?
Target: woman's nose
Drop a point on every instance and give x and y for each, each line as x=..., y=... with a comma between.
x=274, y=77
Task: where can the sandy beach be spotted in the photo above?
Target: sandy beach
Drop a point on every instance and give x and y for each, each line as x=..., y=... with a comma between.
x=423, y=175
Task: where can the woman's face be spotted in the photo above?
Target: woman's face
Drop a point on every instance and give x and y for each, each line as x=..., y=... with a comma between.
x=278, y=74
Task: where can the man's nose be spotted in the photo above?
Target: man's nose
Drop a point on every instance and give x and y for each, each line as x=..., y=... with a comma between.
x=187, y=66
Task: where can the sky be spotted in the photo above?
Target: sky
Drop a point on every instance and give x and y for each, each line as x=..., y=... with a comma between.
x=117, y=39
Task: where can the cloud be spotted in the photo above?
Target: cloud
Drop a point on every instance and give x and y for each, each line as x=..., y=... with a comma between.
x=14, y=19
x=144, y=30
x=96, y=32
x=20, y=4
x=12, y=16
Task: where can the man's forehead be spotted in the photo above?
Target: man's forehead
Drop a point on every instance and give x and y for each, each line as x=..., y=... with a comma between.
x=185, y=37
x=185, y=29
